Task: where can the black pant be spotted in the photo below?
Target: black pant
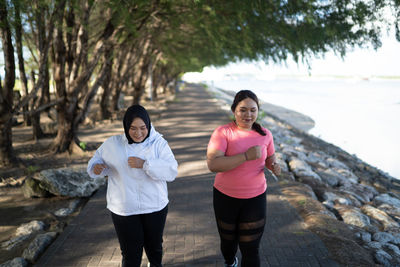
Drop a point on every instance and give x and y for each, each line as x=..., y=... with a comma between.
x=240, y=223
x=140, y=231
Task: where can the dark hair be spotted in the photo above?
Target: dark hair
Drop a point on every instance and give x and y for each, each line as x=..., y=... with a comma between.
x=241, y=95
x=133, y=112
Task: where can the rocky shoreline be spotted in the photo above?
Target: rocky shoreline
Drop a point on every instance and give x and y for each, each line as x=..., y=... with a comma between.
x=352, y=206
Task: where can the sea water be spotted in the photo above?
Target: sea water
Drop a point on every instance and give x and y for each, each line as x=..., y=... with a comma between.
x=361, y=116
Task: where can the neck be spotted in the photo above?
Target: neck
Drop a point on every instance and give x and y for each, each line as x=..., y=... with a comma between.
x=243, y=128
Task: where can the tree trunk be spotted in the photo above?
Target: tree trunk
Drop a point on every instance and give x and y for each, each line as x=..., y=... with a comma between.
x=125, y=64
x=21, y=63
x=105, y=99
x=6, y=90
x=75, y=94
x=139, y=85
x=65, y=135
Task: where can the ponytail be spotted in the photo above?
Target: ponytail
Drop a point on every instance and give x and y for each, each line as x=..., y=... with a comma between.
x=257, y=127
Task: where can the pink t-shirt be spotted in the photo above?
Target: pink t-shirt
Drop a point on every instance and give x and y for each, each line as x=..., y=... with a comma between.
x=248, y=179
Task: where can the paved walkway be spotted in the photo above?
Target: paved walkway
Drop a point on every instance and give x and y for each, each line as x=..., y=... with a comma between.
x=190, y=237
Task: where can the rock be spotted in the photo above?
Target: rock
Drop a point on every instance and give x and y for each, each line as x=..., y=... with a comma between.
x=375, y=245
x=31, y=188
x=14, y=242
x=334, y=198
x=393, y=250
x=383, y=258
x=301, y=168
x=69, y=182
x=334, y=163
x=329, y=177
x=354, y=198
x=392, y=211
x=16, y=262
x=396, y=239
x=29, y=228
x=365, y=237
x=349, y=175
x=363, y=193
x=386, y=199
x=290, y=151
x=63, y=212
x=382, y=237
x=353, y=216
x=316, y=159
x=38, y=245
x=381, y=216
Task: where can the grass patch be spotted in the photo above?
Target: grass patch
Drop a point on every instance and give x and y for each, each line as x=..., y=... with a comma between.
x=31, y=169
x=301, y=233
x=302, y=202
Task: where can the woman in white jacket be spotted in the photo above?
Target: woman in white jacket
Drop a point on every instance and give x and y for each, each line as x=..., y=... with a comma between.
x=138, y=165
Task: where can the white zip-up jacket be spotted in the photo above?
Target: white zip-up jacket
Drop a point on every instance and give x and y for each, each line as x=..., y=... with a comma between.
x=132, y=190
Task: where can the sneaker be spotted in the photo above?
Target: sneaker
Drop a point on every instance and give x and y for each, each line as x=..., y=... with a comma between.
x=234, y=264
x=148, y=264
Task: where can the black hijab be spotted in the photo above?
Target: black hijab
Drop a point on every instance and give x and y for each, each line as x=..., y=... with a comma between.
x=133, y=112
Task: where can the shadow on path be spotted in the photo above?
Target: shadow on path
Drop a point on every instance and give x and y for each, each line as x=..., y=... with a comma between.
x=191, y=237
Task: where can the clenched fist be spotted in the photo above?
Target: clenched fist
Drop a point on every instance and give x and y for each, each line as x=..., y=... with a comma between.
x=253, y=153
x=276, y=169
x=98, y=168
x=135, y=162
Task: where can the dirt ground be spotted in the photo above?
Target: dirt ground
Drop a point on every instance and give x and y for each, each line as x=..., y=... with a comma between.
x=15, y=208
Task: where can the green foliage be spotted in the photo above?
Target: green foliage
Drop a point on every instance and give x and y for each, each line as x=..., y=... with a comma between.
x=261, y=115
x=31, y=170
x=302, y=202
x=82, y=145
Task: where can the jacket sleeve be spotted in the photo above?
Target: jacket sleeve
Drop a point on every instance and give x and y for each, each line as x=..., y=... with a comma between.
x=97, y=159
x=164, y=167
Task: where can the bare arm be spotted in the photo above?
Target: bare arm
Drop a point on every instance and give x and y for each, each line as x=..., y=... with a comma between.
x=218, y=162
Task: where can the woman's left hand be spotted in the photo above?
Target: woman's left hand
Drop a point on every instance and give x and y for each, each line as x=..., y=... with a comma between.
x=135, y=162
x=276, y=169
x=273, y=165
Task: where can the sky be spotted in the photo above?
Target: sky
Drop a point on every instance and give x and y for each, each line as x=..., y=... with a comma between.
x=364, y=63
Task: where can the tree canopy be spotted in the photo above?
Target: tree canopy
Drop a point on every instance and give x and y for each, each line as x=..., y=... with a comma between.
x=88, y=48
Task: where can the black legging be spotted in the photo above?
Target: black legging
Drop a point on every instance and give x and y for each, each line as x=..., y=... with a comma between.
x=240, y=223
x=136, y=232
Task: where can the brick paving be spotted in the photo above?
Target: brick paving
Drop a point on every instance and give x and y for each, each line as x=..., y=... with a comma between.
x=190, y=236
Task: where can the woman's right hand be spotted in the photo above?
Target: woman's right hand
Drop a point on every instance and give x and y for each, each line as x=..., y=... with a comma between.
x=253, y=153
x=98, y=168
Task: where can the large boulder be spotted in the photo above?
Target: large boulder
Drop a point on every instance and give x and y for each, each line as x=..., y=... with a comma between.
x=69, y=182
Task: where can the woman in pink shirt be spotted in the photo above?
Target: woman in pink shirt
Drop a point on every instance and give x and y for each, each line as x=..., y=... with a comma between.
x=238, y=153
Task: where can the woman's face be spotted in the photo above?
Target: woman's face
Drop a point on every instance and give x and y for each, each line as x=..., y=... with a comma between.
x=246, y=113
x=138, y=130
